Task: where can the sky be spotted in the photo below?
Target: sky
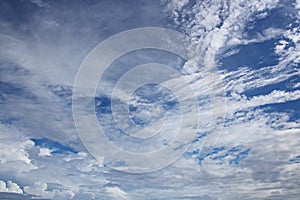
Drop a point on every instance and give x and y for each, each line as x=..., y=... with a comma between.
x=232, y=102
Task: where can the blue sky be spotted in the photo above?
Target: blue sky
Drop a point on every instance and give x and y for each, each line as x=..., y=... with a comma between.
x=255, y=47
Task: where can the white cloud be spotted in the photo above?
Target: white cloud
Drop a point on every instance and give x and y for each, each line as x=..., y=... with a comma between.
x=15, y=152
x=45, y=152
x=40, y=189
x=297, y=4
x=241, y=102
x=10, y=187
x=116, y=192
x=213, y=26
x=14, y=149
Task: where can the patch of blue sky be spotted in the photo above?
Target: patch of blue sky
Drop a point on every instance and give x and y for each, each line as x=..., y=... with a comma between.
x=17, y=14
x=260, y=54
x=254, y=56
x=10, y=89
x=170, y=104
x=234, y=154
x=199, y=136
x=291, y=108
x=102, y=105
x=116, y=164
x=147, y=101
x=295, y=159
x=57, y=147
x=286, y=85
x=279, y=18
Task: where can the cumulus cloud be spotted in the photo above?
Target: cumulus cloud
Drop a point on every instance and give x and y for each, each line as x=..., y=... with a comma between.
x=14, y=151
x=40, y=189
x=10, y=186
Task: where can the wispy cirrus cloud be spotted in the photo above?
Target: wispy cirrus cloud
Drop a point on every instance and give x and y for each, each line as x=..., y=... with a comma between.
x=258, y=151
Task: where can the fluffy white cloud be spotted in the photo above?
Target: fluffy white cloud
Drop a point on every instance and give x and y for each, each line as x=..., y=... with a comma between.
x=14, y=149
x=40, y=189
x=10, y=187
x=15, y=152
